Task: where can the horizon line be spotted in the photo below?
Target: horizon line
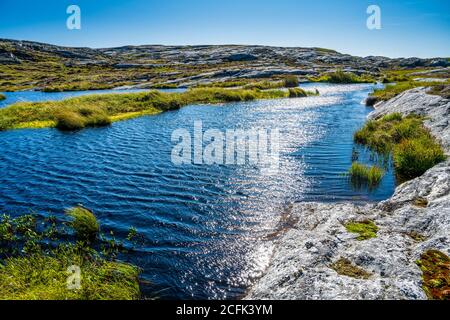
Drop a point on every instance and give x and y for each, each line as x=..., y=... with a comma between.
x=217, y=45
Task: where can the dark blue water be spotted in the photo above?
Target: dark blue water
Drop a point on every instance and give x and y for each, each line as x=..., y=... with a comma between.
x=204, y=226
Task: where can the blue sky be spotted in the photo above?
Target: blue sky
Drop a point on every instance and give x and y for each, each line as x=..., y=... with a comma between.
x=409, y=27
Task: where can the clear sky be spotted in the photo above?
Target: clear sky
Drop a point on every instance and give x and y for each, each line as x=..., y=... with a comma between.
x=409, y=27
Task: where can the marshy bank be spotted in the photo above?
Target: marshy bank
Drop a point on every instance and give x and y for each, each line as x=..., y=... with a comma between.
x=48, y=258
x=102, y=110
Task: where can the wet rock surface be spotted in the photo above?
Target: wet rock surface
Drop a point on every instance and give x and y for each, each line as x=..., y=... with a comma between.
x=416, y=218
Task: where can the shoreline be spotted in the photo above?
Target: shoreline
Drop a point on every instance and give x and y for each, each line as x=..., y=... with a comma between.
x=303, y=266
x=103, y=109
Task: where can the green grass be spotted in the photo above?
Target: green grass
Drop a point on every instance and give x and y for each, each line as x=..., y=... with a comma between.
x=365, y=229
x=42, y=276
x=2, y=97
x=227, y=84
x=361, y=174
x=414, y=149
x=290, y=82
x=344, y=78
x=391, y=91
x=297, y=93
x=413, y=157
x=84, y=223
x=265, y=85
x=435, y=266
x=36, y=253
x=97, y=110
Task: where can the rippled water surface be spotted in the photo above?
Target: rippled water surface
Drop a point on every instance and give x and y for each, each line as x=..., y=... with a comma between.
x=204, y=226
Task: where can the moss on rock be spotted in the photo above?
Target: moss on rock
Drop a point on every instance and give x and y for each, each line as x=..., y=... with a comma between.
x=345, y=267
x=366, y=229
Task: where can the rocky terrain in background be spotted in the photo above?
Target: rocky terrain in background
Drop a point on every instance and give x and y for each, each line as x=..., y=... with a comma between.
x=415, y=219
x=147, y=65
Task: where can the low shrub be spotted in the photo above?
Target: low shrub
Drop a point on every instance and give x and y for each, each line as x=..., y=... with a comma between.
x=2, y=97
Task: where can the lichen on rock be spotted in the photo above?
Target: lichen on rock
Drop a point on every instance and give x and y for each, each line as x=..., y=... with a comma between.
x=435, y=266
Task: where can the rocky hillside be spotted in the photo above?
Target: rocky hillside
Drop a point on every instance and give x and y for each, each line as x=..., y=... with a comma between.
x=181, y=65
x=319, y=259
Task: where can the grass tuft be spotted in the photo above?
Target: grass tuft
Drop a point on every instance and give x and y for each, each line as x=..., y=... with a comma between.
x=340, y=76
x=414, y=149
x=366, y=229
x=361, y=174
x=421, y=202
x=84, y=223
x=414, y=157
x=290, y=82
x=393, y=90
x=2, y=97
x=297, y=93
